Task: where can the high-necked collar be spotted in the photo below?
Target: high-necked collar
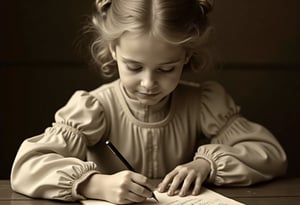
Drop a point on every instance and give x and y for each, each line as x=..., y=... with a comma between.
x=147, y=113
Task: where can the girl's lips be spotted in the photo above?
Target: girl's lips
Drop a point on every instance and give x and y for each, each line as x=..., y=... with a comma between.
x=149, y=93
x=144, y=94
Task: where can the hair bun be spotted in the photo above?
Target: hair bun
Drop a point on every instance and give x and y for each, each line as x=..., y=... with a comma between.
x=206, y=5
x=103, y=5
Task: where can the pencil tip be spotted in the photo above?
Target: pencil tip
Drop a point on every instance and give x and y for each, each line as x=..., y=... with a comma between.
x=153, y=195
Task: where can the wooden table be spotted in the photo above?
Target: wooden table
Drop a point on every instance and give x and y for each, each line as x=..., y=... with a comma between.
x=285, y=191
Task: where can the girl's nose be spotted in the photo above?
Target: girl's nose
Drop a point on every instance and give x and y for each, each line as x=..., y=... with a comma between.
x=148, y=81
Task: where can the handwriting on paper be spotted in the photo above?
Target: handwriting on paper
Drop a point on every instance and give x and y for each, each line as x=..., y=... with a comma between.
x=207, y=197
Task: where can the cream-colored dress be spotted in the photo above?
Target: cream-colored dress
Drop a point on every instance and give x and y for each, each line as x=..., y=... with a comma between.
x=194, y=122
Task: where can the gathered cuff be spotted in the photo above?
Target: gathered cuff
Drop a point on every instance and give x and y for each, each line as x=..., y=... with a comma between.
x=70, y=180
x=220, y=161
x=77, y=182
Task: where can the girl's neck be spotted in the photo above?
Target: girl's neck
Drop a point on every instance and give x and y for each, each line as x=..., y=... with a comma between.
x=147, y=113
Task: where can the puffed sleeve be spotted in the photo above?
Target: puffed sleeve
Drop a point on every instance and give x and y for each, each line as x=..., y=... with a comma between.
x=241, y=152
x=52, y=165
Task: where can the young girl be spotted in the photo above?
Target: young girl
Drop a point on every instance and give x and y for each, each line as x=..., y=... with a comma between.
x=156, y=122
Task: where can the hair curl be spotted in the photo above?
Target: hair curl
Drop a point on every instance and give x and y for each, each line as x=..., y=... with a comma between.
x=178, y=22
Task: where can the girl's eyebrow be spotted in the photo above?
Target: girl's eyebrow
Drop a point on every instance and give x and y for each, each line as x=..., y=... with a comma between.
x=127, y=60
x=171, y=62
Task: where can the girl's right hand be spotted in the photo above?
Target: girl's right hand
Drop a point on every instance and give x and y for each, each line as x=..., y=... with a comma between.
x=121, y=188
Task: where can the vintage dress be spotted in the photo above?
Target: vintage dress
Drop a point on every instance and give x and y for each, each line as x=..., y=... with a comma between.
x=199, y=121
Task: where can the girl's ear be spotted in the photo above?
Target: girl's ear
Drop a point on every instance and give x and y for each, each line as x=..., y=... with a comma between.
x=112, y=49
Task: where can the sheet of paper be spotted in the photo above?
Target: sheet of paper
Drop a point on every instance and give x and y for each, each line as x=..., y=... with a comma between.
x=207, y=197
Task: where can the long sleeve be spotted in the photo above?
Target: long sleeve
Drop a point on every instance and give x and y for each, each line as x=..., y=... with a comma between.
x=241, y=152
x=51, y=165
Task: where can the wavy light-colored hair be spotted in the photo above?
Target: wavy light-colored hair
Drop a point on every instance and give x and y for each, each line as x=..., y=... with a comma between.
x=179, y=22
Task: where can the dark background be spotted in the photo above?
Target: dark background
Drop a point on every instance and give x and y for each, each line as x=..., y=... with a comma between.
x=43, y=61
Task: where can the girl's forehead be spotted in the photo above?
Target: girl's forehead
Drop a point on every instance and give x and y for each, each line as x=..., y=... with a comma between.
x=142, y=45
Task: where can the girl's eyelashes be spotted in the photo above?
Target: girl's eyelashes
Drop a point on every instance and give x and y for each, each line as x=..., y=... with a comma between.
x=136, y=68
x=166, y=69
x=133, y=67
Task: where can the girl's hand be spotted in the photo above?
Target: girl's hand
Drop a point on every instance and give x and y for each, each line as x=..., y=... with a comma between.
x=190, y=175
x=121, y=188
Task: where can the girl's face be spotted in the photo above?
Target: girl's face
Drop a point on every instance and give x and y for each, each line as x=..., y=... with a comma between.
x=149, y=68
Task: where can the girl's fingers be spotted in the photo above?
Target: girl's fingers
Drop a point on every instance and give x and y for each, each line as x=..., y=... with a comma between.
x=133, y=197
x=187, y=184
x=140, y=190
x=164, y=185
x=141, y=185
x=187, y=174
x=197, y=186
x=177, y=180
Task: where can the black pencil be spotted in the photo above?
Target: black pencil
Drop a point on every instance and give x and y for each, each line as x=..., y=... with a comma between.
x=125, y=162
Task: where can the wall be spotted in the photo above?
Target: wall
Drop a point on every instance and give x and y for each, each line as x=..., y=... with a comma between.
x=42, y=63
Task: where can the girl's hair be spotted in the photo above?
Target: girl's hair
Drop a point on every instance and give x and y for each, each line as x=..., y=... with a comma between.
x=179, y=22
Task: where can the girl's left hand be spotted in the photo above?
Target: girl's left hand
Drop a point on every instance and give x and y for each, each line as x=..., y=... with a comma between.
x=190, y=174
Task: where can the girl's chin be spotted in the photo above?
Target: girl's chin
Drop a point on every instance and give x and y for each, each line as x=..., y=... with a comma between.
x=146, y=99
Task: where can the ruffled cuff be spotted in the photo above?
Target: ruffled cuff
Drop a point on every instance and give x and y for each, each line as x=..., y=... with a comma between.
x=231, y=133
x=70, y=180
x=77, y=182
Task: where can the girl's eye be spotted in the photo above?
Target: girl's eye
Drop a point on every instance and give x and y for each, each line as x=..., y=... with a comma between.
x=133, y=67
x=166, y=69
